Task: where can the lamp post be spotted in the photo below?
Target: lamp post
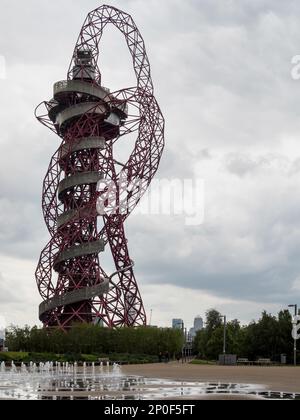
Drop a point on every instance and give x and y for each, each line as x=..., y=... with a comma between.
x=295, y=341
x=183, y=347
x=224, y=339
x=186, y=353
x=150, y=322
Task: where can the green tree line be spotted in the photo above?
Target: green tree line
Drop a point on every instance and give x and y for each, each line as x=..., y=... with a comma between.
x=93, y=339
x=269, y=337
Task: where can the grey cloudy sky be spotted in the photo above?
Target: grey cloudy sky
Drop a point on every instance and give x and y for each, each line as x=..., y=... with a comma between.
x=222, y=73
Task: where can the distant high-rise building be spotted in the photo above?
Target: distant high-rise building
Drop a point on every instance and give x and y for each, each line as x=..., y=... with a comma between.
x=177, y=324
x=198, y=326
x=192, y=332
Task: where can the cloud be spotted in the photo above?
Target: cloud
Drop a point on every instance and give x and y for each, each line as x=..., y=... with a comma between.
x=6, y=293
x=247, y=246
x=242, y=164
x=19, y=298
x=187, y=303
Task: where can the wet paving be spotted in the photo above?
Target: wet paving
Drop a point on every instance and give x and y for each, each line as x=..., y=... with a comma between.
x=68, y=382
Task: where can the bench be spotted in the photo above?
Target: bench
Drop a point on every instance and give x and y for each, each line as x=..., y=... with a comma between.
x=244, y=361
x=264, y=362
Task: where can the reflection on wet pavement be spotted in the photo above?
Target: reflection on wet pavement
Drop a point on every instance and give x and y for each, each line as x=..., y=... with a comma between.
x=68, y=382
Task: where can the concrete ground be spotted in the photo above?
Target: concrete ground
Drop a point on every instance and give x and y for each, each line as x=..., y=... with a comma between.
x=275, y=379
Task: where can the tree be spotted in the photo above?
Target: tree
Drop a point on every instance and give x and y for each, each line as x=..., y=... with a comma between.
x=93, y=339
x=207, y=341
x=286, y=342
x=268, y=338
x=213, y=320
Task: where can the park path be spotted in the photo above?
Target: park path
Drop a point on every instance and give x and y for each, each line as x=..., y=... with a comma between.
x=277, y=379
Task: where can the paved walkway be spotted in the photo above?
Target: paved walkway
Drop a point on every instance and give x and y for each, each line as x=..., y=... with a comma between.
x=277, y=379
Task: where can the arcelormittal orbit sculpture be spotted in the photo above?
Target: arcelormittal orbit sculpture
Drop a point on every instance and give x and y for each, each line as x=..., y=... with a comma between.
x=86, y=184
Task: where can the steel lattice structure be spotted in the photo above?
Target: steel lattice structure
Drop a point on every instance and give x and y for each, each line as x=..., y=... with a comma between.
x=84, y=180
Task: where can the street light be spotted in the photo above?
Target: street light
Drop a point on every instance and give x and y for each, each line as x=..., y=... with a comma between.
x=183, y=347
x=295, y=341
x=150, y=322
x=224, y=340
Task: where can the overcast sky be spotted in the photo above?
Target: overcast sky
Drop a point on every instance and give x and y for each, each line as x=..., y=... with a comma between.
x=222, y=75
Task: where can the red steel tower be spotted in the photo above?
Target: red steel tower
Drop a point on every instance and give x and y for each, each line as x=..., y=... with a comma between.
x=86, y=184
